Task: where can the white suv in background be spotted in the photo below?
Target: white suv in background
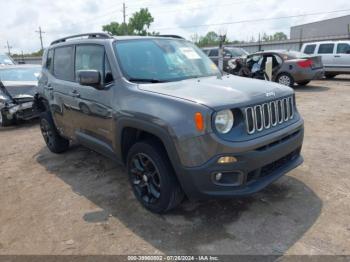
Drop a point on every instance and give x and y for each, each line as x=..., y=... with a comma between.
x=335, y=56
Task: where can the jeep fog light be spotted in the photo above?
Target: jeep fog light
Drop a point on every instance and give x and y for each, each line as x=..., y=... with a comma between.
x=227, y=160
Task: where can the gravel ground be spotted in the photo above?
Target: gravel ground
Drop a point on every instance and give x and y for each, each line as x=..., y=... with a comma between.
x=80, y=202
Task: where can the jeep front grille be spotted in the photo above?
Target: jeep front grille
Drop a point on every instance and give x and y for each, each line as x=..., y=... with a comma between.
x=267, y=115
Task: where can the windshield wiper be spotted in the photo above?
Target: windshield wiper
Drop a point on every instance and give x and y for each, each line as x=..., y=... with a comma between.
x=147, y=80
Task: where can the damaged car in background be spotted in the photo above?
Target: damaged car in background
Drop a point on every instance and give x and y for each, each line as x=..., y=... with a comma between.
x=288, y=67
x=230, y=54
x=17, y=90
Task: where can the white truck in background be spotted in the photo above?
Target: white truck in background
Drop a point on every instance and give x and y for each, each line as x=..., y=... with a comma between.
x=335, y=56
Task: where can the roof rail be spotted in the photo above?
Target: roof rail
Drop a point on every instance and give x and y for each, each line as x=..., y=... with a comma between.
x=89, y=35
x=172, y=36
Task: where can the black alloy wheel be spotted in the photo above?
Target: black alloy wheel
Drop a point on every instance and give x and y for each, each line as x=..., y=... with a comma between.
x=152, y=176
x=145, y=178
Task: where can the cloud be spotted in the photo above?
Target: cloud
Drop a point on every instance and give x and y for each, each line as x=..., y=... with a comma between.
x=21, y=18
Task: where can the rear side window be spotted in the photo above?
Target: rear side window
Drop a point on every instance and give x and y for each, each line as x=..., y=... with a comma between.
x=326, y=49
x=343, y=49
x=310, y=49
x=49, y=61
x=214, y=52
x=64, y=63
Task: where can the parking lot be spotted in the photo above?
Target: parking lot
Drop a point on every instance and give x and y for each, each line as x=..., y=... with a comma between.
x=80, y=202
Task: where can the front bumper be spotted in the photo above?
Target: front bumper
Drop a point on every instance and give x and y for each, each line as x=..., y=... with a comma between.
x=25, y=111
x=254, y=170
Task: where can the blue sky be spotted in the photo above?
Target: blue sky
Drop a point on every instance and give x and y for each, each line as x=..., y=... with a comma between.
x=19, y=18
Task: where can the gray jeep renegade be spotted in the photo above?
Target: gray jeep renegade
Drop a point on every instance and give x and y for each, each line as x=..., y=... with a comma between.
x=161, y=107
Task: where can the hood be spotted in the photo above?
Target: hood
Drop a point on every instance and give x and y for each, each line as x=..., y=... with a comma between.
x=221, y=92
x=20, y=89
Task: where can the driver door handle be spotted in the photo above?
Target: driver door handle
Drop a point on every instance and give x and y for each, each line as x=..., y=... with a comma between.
x=337, y=56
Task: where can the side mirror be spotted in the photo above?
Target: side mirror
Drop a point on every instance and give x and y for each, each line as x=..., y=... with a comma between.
x=90, y=78
x=348, y=51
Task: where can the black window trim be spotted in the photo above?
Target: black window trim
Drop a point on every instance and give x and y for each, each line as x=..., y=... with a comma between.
x=53, y=69
x=337, y=49
x=319, y=46
x=53, y=57
x=313, y=46
x=105, y=85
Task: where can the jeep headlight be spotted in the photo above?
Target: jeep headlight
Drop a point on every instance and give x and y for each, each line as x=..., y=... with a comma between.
x=224, y=121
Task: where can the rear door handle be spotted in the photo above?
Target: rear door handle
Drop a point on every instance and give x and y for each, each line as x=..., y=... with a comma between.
x=337, y=56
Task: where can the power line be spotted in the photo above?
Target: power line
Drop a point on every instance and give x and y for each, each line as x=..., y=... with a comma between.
x=41, y=37
x=252, y=20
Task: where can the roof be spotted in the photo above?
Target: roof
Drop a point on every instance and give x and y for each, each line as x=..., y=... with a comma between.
x=226, y=47
x=274, y=51
x=19, y=66
x=321, y=21
x=328, y=42
x=88, y=37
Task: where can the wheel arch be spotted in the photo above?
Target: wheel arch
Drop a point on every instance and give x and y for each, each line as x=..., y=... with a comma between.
x=132, y=130
x=41, y=103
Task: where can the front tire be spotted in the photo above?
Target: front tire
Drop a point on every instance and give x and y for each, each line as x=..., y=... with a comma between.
x=330, y=76
x=152, y=178
x=285, y=79
x=56, y=143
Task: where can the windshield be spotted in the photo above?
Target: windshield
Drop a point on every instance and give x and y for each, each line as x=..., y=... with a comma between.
x=19, y=74
x=235, y=52
x=5, y=60
x=295, y=54
x=162, y=60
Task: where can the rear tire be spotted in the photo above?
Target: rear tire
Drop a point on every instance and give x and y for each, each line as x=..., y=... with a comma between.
x=330, y=76
x=303, y=83
x=285, y=79
x=4, y=121
x=152, y=178
x=56, y=143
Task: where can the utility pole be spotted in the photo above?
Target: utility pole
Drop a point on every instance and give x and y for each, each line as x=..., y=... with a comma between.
x=124, y=14
x=41, y=37
x=301, y=38
x=259, y=41
x=222, y=39
x=8, y=48
x=124, y=19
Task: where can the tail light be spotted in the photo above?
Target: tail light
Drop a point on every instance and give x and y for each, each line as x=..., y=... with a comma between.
x=305, y=63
